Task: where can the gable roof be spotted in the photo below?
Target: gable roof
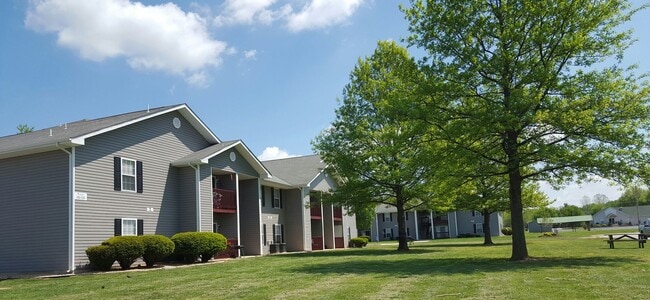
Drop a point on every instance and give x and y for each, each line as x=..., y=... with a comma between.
x=203, y=156
x=297, y=171
x=75, y=133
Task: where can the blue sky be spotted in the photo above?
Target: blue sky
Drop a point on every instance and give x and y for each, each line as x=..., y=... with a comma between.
x=268, y=72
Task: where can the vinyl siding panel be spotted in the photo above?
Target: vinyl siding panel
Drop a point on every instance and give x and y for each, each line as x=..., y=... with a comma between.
x=206, y=198
x=249, y=214
x=294, y=209
x=186, y=199
x=240, y=165
x=156, y=143
x=34, y=213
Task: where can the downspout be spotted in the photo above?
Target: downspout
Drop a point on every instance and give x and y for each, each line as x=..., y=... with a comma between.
x=456, y=219
x=415, y=221
x=71, y=206
x=197, y=172
x=376, y=227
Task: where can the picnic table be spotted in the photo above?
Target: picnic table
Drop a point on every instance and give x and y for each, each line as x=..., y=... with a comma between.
x=627, y=237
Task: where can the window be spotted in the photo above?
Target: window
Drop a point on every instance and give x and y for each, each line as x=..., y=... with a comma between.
x=127, y=175
x=277, y=198
x=278, y=233
x=263, y=199
x=390, y=215
x=406, y=215
x=478, y=228
x=129, y=226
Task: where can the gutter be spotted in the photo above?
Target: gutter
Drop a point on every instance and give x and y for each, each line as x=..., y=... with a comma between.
x=71, y=206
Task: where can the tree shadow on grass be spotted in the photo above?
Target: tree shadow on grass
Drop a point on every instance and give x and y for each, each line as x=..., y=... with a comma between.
x=433, y=266
x=460, y=244
x=359, y=252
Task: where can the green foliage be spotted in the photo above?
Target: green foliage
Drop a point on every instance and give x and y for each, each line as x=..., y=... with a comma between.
x=101, y=257
x=192, y=245
x=506, y=231
x=526, y=85
x=570, y=210
x=156, y=248
x=126, y=248
x=367, y=238
x=24, y=128
x=358, y=242
x=364, y=214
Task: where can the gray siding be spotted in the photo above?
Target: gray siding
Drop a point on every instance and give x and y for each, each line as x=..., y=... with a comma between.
x=328, y=226
x=34, y=213
x=206, y=198
x=249, y=214
x=187, y=199
x=294, y=229
x=240, y=165
x=156, y=143
x=349, y=227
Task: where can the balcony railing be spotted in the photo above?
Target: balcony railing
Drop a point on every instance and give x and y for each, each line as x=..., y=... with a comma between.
x=317, y=243
x=315, y=212
x=224, y=201
x=339, y=242
x=231, y=250
x=338, y=214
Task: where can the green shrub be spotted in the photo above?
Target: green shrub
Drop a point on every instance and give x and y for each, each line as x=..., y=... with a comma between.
x=127, y=249
x=101, y=257
x=192, y=245
x=365, y=237
x=156, y=248
x=506, y=231
x=358, y=242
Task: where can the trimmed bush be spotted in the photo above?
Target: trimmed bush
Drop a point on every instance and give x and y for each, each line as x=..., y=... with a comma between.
x=192, y=245
x=358, y=242
x=365, y=237
x=127, y=249
x=156, y=248
x=506, y=231
x=101, y=257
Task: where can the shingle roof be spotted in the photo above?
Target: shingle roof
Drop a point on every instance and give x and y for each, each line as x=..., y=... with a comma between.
x=557, y=220
x=74, y=133
x=202, y=156
x=298, y=171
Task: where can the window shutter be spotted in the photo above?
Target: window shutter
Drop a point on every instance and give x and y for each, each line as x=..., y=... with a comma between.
x=474, y=227
x=118, y=227
x=263, y=203
x=138, y=175
x=117, y=173
x=281, y=200
x=140, y=227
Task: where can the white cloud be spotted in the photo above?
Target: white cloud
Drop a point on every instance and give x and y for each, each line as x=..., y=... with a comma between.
x=250, y=54
x=249, y=12
x=156, y=37
x=271, y=153
x=573, y=193
x=318, y=14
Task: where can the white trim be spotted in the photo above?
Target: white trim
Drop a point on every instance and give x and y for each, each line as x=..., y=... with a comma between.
x=259, y=214
x=135, y=174
x=238, y=209
x=71, y=206
x=183, y=110
x=415, y=221
x=129, y=219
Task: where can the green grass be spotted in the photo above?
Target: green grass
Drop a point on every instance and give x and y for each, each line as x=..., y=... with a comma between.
x=570, y=266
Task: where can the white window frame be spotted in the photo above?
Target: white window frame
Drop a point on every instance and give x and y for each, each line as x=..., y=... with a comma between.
x=278, y=233
x=135, y=173
x=135, y=222
x=275, y=196
x=479, y=227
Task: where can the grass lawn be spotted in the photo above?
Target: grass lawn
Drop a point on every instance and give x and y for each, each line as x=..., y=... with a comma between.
x=572, y=265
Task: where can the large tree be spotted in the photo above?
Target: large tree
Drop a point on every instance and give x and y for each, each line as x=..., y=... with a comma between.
x=381, y=156
x=536, y=87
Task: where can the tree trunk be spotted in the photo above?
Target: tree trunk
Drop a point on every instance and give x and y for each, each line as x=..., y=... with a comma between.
x=519, y=249
x=487, y=233
x=401, y=221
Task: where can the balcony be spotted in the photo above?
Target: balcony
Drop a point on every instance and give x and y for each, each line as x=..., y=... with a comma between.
x=224, y=201
x=231, y=250
x=339, y=242
x=317, y=243
x=315, y=213
x=338, y=214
